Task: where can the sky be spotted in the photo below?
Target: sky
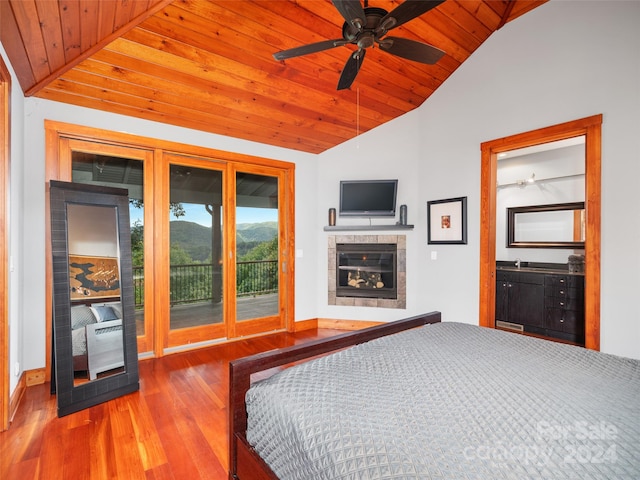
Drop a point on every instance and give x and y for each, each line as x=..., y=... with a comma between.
x=198, y=214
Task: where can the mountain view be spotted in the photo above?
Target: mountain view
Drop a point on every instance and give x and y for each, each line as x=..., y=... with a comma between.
x=195, y=239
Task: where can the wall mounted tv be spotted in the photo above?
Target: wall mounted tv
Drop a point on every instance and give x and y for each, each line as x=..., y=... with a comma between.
x=368, y=198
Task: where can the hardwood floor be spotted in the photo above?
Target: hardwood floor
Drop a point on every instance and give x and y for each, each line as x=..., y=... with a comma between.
x=175, y=427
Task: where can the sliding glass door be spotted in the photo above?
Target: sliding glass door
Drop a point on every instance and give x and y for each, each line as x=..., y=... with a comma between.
x=225, y=244
x=258, y=247
x=212, y=235
x=193, y=238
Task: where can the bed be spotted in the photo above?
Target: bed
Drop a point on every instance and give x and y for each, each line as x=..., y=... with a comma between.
x=96, y=338
x=420, y=399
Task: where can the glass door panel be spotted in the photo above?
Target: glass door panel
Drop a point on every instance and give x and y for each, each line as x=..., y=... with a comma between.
x=195, y=253
x=257, y=238
x=121, y=167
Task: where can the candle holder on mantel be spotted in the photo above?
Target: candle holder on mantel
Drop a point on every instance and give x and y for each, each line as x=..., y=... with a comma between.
x=332, y=217
x=403, y=215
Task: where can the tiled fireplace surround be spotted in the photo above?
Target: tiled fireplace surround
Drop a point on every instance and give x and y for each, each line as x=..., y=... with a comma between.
x=401, y=271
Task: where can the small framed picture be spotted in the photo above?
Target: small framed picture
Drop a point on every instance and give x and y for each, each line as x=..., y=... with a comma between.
x=447, y=221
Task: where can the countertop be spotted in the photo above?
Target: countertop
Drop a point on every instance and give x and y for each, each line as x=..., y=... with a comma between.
x=536, y=267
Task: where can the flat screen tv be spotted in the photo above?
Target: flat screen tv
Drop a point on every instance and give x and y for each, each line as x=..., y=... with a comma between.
x=368, y=198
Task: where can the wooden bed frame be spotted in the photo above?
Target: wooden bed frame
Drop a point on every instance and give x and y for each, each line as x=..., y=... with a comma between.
x=244, y=461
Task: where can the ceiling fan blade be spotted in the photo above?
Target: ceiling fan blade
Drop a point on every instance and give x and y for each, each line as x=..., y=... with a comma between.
x=351, y=11
x=411, y=50
x=351, y=69
x=407, y=10
x=311, y=48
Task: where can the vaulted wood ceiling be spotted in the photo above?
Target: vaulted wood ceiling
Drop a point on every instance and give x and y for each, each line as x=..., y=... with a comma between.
x=208, y=65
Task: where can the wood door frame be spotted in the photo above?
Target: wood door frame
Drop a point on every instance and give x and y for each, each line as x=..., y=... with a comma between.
x=5, y=156
x=179, y=339
x=284, y=319
x=591, y=128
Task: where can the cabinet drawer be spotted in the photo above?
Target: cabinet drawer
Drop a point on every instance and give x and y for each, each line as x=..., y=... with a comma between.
x=563, y=292
x=568, y=321
x=564, y=303
x=570, y=281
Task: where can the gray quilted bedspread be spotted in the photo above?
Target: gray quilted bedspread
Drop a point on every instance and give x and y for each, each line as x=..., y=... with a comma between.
x=451, y=401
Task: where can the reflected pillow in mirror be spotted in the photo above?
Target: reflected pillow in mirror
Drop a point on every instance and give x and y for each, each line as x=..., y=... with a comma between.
x=117, y=308
x=81, y=316
x=104, y=313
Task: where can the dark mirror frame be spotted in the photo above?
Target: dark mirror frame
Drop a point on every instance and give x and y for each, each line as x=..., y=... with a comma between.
x=511, y=223
x=74, y=398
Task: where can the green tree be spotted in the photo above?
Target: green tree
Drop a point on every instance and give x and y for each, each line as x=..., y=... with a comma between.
x=137, y=244
x=178, y=255
x=263, y=251
x=266, y=280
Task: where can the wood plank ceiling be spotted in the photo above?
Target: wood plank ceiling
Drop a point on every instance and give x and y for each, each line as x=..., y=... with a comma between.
x=208, y=65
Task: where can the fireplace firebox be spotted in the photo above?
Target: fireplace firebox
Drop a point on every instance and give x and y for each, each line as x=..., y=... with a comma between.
x=366, y=270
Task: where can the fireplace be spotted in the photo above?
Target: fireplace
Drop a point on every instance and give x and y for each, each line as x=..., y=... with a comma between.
x=386, y=255
x=366, y=270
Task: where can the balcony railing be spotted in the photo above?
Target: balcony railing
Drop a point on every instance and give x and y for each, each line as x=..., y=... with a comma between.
x=195, y=282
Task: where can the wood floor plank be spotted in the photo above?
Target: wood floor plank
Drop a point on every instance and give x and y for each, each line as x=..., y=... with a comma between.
x=18, y=471
x=150, y=447
x=101, y=450
x=162, y=472
x=174, y=428
x=76, y=441
x=128, y=461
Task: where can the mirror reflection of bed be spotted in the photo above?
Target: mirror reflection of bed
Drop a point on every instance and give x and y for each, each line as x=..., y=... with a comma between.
x=97, y=344
x=94, y=284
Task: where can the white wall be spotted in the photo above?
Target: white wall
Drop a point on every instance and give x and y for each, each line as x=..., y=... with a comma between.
x=16, y=216
x=563, y=61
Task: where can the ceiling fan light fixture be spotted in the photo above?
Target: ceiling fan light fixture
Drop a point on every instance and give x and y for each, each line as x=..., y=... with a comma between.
x=366, y=40
x=386, y=25
x=350, y=32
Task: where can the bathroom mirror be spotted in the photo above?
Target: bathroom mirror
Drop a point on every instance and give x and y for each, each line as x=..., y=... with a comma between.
x=560, y=225
x=94, y=335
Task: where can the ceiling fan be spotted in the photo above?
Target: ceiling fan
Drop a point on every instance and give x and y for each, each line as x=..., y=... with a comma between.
x=364, y=27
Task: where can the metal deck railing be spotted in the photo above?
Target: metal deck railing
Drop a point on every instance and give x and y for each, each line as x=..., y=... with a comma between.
x=194, y=283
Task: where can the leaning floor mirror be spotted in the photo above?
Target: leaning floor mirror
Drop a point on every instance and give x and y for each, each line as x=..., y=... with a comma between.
x=94, y=333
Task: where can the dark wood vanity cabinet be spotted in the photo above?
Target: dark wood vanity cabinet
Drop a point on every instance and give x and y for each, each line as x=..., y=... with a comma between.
x=542, y=303
x=520, y=298
x=564, y=307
